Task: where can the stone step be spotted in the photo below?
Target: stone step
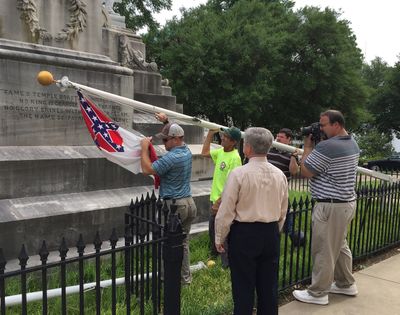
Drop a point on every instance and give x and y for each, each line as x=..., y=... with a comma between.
x=148, y=126
x=31, y=220
x=44, y=170
x=164, y=101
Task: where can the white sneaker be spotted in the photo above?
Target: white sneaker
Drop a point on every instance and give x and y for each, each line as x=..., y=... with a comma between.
x=304, y=296
x=351, y=290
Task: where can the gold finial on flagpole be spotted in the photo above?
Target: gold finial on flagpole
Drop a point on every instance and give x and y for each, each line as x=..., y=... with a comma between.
x=45, y=78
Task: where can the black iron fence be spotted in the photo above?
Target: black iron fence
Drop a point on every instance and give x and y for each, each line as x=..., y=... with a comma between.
x=375, y=228
x=130, y=275
x=301, y=184
x=142, y=275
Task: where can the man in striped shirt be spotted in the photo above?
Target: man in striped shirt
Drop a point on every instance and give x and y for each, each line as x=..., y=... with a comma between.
x=332, y=167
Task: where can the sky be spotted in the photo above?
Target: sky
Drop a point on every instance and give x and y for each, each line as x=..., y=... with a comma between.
x=373, y=22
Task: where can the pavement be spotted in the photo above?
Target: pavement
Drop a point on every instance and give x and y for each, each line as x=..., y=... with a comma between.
x=378, y=294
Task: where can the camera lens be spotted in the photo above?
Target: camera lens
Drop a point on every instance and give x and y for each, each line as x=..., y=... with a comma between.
x=305, y=131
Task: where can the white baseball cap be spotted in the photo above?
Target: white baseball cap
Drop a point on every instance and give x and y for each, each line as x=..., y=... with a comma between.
x=171, y=130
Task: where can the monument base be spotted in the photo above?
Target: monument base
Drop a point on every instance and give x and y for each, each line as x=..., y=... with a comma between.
x=31, y=220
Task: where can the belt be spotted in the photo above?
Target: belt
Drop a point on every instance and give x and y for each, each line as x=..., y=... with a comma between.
x=331, y=200
x=170, y=198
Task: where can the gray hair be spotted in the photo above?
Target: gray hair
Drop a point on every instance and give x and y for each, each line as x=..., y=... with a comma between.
x=259, y=139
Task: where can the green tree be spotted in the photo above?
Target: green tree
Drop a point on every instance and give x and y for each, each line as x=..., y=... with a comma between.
x=373, y=143
x=375, y=74
x=385, y=105
x=139, y=13
x=261, y=63
x=328, y=66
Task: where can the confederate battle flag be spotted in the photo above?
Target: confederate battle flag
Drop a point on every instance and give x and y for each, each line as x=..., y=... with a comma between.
x=117, y=144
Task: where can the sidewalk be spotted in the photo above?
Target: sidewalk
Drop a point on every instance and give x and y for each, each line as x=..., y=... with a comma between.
x=379, y=294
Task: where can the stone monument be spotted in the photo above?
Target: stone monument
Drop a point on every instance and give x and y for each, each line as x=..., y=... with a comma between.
x=53, y=180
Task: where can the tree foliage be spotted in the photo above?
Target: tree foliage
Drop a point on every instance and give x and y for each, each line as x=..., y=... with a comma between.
x=373, y=143
x=261, y=63
x=375, y=74
x=139, y=13
x=385, y=104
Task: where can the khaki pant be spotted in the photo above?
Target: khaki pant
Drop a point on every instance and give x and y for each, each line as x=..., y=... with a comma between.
x=187, y=212
x=332, y=258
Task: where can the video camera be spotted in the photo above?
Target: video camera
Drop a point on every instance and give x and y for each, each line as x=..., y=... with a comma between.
x=315, y=130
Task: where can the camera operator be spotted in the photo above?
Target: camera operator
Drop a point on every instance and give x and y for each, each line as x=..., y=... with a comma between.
x=332, y=167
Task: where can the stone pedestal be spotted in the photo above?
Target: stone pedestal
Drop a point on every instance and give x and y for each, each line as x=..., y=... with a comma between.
x=54, y=181
x=32, y=114
x=117, y=21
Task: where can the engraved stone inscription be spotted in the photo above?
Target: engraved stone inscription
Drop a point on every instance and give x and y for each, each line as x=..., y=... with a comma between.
x=32, y=105
x=29, y=117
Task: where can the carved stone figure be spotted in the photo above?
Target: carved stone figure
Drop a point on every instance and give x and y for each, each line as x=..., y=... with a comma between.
x=132, y=58
x=76, y=24
x=30, y=16
x=109, y=5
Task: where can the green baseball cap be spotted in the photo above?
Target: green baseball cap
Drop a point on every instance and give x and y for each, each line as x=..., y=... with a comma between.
x=233, y=133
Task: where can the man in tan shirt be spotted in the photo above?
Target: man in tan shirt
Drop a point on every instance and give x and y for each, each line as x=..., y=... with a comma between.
x=253, y=210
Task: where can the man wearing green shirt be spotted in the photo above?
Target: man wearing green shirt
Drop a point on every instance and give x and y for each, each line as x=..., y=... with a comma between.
x=225, y=160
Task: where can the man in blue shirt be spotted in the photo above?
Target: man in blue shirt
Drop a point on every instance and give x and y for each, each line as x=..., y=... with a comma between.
x=174, y=170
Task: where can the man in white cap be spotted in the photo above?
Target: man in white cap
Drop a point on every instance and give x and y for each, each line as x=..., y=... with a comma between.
x=174, y=170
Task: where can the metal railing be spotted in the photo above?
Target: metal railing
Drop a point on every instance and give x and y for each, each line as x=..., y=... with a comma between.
x=153, y=237
x=375, y=227
x=301, y=184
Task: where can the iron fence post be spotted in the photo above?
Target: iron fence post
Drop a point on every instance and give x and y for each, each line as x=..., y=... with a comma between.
x=172, y=257
x=3, y=263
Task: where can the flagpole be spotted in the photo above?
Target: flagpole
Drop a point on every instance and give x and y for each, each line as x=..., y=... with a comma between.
x=65, y=83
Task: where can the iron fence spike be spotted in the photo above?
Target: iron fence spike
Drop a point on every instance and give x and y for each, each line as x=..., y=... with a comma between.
x=43, y=252
x=113, y=237
x=97, y=241
x=80, y=244
x=3, y=261
x=63, y=249
x=23, y=256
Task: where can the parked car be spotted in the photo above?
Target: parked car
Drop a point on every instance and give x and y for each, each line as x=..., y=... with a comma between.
x=390, y=163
